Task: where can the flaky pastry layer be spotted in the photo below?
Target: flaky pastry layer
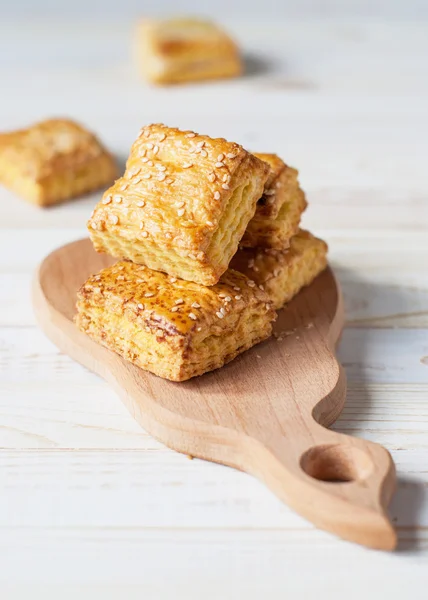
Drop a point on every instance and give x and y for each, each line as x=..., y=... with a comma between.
x=53, y=161
x=182, y=205
x=181, y=50
x=263, y=232
x=283, y=273
x=174, y=328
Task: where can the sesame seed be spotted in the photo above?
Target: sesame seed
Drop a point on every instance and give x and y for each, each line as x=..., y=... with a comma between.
x=231, y=155
x=180, y=204
x=192, y=150
x=114, y=219
x=117, y=199
x=211, y=177
x=216, y=195
x=149, y=294
x=146, y=176
x=276, y=272
x=142, y=152
x=225, y=186
x=140, y=306
x=180, y=212
x=195, y=305
x=150, y=146
x=169, y=181
x=144, y=160
x=309, y=326
x=238, y=297
x=278, y=184
x=226, y=177
x=210, y=224
x=261, y=287
x=93, y=225
x=144, y=234
x=162, y=137
x=141, y=203
x=193, y=316
x=267, y=306
x=222, y=310
x=220, y=315
x=141, y=225
x=219, y=164
x=155, y=149
x=106, y=200
x=124, y=186
x=199, y=329
x=251, y=283
x=204, y=153
x=201, y=144
x=258, y=356
x=222, y=295
x=190, y=134
x=268, y=192
x=220, y=157
x=236, y=288
x=227, y=299
x=192, y=256
x=161, y=167
x=160, y=332
x=161, y=176
x=187, y=165
x=150, y=163
x=174, y=309
x=179, y=301
x=168, y=235
x=173, y=279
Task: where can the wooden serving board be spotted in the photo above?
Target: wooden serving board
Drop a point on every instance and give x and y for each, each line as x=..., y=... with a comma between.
x=265, y=413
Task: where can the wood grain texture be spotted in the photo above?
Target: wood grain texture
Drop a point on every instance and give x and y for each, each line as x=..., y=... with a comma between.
x=245, y=415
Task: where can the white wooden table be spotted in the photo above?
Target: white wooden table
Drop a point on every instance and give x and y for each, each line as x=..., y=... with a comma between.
x=87, y=497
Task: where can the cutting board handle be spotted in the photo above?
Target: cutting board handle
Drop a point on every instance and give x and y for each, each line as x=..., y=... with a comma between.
x=340, y=483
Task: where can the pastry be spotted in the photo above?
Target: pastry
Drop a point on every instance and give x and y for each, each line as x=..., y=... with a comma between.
x=176, y=329
x=279, y=210
x=283, y=273
x=180, y=50
x=182, y=205
x=53, y=161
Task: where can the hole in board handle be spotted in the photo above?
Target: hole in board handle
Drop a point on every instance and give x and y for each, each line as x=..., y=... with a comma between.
x=336, y=463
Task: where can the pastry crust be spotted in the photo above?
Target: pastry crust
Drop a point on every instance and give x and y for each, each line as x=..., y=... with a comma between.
x=182, y=205
x=53, y=161
x=280, y=187
x=181, y=50
x=276, y=233
x=283, y=273
x=174, y=328
x=280, y=208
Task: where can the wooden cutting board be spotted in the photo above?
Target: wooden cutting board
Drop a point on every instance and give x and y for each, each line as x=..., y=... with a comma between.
x=265, y=413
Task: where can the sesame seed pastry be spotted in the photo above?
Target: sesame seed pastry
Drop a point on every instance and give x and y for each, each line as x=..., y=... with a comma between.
x=182, y=50
x=53, y=161
x=174, y=328
x=279, y=209
x=283, y=273
x=182, y=205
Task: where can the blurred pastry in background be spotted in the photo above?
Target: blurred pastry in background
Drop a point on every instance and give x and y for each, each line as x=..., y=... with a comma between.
x=185, y=49
x=53, y=161
x=279, y=210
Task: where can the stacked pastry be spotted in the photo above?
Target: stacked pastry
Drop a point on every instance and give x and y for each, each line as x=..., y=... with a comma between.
x=173, y=306
x=274, y=252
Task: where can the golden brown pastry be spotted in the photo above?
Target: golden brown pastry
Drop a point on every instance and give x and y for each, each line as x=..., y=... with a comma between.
x=53, y=161
x=174, y=328
x=283, y=273
x=180, y=50
x=279, y=210
x=182, y=205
